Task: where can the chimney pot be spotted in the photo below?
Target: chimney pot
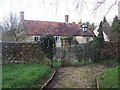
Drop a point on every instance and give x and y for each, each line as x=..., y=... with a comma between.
x=21, y=16
x=66, y=18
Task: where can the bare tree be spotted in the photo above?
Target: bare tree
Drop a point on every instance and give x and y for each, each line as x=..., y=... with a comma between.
x=80, y=3
x=101, y=2
x=12, y=30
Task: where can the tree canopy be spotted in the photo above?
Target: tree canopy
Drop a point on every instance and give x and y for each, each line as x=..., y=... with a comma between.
x=115, y=30
x=105, y=22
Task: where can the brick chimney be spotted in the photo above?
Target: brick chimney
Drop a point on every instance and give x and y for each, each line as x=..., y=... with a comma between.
x=21, y=16
x=66, y=19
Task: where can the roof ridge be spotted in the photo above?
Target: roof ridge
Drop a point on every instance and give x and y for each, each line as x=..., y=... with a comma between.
x=44, y=21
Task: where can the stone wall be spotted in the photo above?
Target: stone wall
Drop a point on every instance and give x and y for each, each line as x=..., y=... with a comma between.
x=13, y=52
x=72, y=54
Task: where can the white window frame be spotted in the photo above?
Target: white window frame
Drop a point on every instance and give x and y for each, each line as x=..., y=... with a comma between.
x=84, y=28
x=36, y=40
x=57, y=38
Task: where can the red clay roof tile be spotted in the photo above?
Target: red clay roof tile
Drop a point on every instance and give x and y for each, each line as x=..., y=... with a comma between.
x=54, y=28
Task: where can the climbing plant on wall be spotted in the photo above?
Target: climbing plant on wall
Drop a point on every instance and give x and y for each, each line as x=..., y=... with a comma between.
x=47, y=43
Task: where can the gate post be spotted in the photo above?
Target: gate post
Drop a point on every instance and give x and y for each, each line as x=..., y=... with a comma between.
x=65, y=61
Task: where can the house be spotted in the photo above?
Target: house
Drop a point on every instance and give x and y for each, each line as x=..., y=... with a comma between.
x=106, y=32
x=35, y=29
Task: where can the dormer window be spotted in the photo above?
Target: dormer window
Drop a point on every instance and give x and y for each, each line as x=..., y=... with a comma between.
x=84, y=28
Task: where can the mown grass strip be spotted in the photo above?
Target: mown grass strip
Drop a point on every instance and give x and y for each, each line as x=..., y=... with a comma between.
x=108, y=78
x=24, y=75
x=58, y=63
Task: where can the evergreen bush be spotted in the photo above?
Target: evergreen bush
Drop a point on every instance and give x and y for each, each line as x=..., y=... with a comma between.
x=47, y=42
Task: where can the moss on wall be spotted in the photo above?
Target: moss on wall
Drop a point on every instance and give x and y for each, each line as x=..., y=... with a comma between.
x=23, y=52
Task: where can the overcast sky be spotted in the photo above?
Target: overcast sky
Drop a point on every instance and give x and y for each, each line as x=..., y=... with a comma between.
x=49, y=10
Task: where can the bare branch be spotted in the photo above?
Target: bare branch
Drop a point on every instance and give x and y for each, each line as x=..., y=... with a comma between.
x=98, y=5
x=111, y=7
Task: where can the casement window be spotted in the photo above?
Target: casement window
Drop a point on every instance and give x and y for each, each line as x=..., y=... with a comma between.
x=36, y=39
x=57, y=38
x=87, y=39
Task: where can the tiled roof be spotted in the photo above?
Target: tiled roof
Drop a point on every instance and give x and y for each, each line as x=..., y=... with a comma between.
x=54, y=28
x=74, y=42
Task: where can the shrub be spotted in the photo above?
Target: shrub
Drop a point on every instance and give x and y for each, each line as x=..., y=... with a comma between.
x=47, y=42
x=80, y=51
x=91, y=50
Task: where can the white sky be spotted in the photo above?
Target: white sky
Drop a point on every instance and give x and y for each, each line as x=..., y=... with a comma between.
x=48, y=10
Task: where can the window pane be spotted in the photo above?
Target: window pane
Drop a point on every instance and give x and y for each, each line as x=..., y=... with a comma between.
x=87, y=39
x=36, y=38
x=57, y=39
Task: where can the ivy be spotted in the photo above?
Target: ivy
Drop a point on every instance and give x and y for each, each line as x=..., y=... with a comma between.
x=47, y=43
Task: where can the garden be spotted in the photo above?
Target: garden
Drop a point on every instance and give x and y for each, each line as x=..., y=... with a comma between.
x=96, y=68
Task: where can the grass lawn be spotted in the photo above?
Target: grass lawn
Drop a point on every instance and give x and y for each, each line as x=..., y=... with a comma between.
x=58, y=63
x=25, y=75
x=108, y=78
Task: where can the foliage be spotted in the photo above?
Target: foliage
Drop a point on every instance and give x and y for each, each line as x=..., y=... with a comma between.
x=114, y=30
x=90, y=50
x=58, y=63
x=24, y=75
x=47, y=42
x=100, y=36
x=70, y=38
x=80, y=51
x=109, y=78
x=90, y=25
x=80, y=22
x=105, y=23
x=111, y=61
x=100, y=30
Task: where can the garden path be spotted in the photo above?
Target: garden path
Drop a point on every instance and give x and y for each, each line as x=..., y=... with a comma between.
x=76, y=76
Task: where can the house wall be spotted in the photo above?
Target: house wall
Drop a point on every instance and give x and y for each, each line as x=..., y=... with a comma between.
x=58, y=43
x=31, y=38
x=82, y=39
